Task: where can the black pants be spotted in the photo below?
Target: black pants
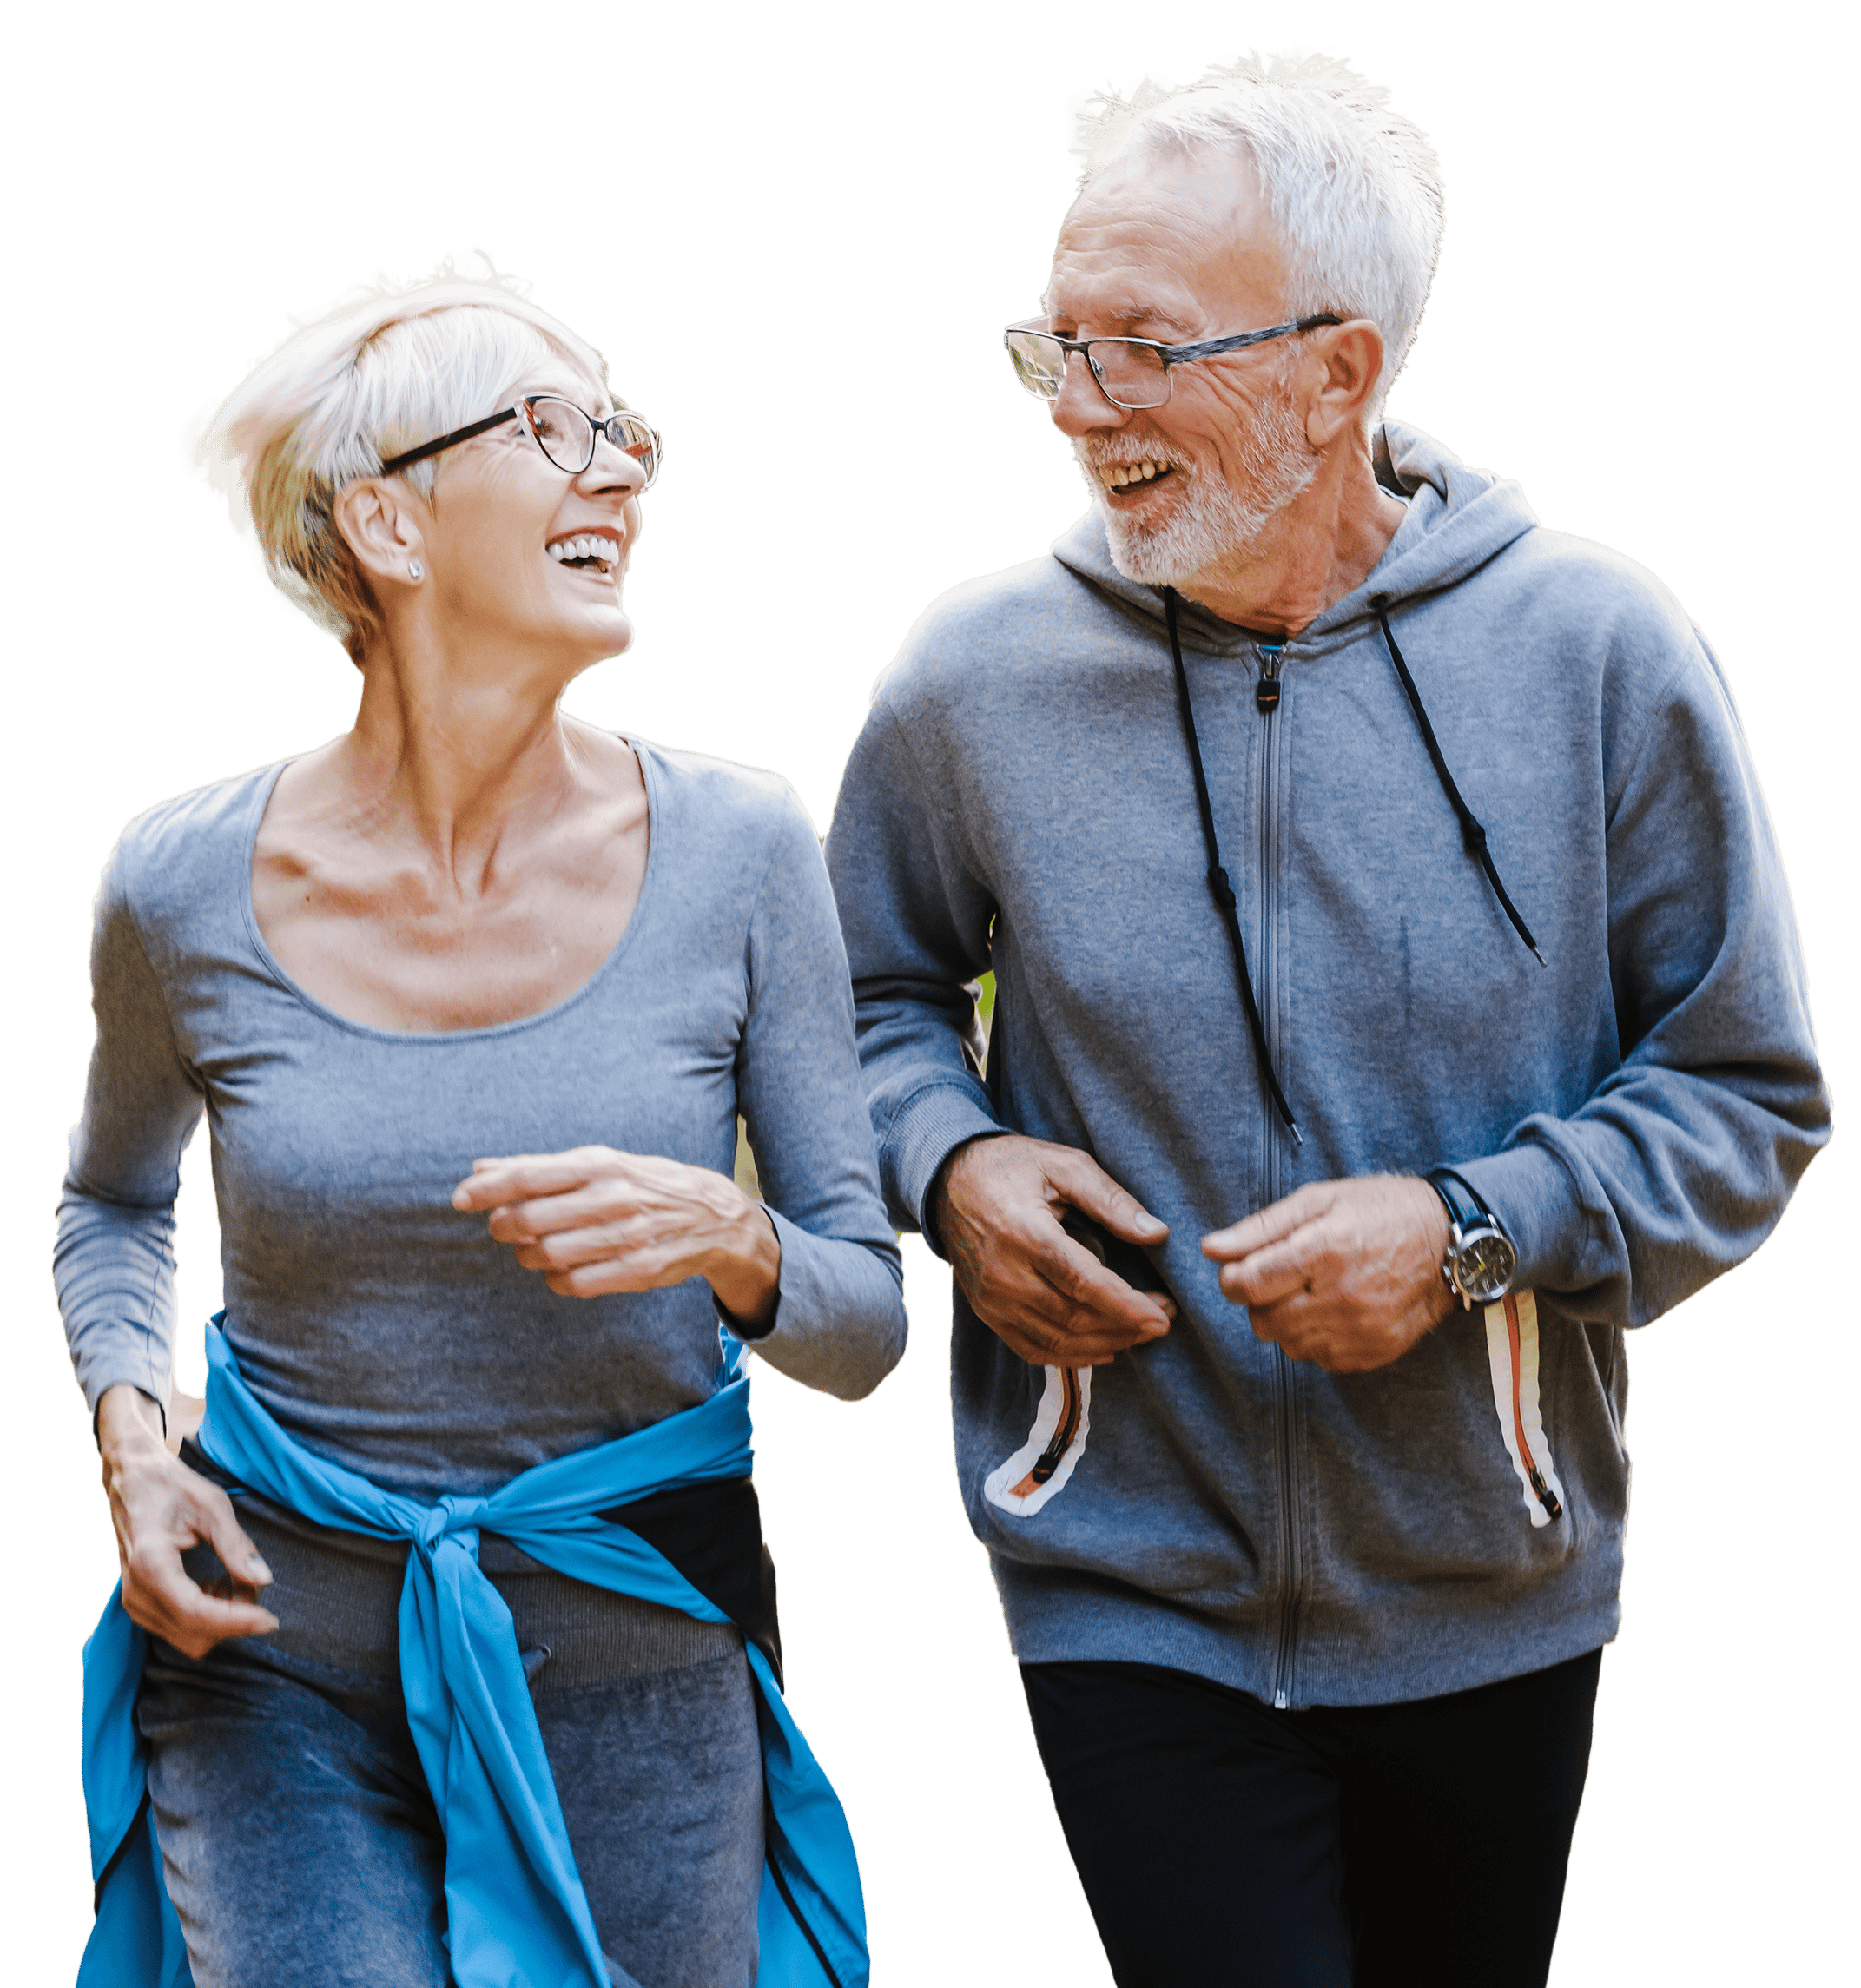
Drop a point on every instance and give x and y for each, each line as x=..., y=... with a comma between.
x=1224, y=1845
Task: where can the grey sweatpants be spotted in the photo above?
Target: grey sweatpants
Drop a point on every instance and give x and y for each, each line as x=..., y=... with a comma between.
x=299, y=1838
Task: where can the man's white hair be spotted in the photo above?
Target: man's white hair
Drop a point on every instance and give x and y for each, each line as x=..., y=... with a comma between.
x=383, y=373
x=1355, y=191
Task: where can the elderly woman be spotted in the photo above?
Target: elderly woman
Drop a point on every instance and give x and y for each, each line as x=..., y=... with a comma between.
x=533, y=1747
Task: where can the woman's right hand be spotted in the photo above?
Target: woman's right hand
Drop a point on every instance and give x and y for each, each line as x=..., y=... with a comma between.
x=161, y=1508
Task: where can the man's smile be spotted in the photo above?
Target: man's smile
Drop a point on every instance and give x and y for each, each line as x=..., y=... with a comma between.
x=1126, y=483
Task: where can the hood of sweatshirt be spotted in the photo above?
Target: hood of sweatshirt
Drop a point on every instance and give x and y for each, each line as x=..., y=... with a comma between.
x=1458, y=520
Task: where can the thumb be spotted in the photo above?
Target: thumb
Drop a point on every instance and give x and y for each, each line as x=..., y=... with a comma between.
x=1079, y=1180
x=241, y=1558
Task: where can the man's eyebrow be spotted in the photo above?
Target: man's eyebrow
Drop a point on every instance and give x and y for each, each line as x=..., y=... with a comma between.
x=1126, y=310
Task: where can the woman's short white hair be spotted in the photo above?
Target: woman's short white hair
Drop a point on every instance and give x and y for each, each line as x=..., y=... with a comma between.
x=383, y=373
x=1353, y=190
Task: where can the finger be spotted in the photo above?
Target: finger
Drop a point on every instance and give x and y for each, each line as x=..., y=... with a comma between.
x=160, y=1597
x=1036, y=1354
x=1044, y=1343
x=1280, y=1269
x=1270, y=1224
x=638, y=1270
x=492, y=1183
x=1091, y=1293
x=223, y=1532
x=197, y=1624
x=618, y=1241
x=596, y=1205
x=1080, y=1181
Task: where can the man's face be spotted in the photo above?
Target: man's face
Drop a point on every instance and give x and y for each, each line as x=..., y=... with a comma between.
x=1179, y=249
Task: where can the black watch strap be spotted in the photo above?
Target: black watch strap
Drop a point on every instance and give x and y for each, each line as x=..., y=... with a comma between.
x=1465, y=1208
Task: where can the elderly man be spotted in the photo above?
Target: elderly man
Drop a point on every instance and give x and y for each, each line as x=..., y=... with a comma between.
x=1398, y=999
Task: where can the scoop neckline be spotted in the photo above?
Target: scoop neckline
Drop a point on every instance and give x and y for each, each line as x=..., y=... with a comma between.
x=249, y=843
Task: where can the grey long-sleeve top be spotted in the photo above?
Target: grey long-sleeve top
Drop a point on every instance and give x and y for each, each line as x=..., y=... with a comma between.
x=381, y=1327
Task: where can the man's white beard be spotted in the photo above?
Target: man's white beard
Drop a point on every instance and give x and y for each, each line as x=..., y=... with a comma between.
x=1211, y=519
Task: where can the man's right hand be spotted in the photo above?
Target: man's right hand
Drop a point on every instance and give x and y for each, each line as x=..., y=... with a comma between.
x=161, y=1508
x=996, y=1206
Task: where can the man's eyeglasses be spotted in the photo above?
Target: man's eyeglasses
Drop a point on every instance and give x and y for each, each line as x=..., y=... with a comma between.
x=562, y=431
x=1132, y=372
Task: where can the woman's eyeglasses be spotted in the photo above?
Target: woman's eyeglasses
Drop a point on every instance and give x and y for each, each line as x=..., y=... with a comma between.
x=562, y=431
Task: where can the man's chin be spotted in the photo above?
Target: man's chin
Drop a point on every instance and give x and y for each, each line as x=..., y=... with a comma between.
x=1148, y=558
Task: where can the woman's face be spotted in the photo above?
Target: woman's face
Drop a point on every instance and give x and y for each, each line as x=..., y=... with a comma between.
x=518, y=551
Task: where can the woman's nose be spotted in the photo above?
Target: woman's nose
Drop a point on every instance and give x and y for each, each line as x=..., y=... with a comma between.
x=612, y=468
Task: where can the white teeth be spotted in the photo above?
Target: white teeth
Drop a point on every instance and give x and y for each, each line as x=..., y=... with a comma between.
x=586, y=547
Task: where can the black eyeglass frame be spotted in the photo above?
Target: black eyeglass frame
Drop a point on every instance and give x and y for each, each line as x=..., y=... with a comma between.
x=1170, y=354
x=596, y=430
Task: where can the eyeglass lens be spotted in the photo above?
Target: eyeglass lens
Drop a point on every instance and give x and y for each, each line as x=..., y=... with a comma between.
x=566, y=436
x=1131, y=372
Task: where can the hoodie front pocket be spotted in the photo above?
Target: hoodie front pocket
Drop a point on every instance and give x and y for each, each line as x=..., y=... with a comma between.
x=1512, y=1352
x=1040, y=1469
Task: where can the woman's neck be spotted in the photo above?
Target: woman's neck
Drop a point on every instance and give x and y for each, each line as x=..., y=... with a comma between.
x=455, y=753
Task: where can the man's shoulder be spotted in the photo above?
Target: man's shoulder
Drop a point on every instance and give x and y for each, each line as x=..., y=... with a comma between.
x=1595, y=590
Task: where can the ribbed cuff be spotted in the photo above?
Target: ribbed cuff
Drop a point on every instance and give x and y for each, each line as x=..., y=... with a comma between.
x=925, y=1131
x=1532, y=1192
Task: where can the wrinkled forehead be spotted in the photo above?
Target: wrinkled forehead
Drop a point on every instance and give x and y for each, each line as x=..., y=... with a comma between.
x=1171, y=240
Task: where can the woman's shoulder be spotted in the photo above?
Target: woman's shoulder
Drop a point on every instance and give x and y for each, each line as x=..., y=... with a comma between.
x=734, y=800
x=173, y=855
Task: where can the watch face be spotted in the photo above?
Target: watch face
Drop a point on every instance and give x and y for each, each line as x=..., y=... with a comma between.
x=1483, y=1269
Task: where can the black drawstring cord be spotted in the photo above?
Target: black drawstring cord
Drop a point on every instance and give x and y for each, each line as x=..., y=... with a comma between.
x=1219, y=888
x=1471, y=833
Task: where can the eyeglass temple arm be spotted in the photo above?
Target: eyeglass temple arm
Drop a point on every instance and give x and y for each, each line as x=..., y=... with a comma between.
x=432, y=448
x=1209, y=347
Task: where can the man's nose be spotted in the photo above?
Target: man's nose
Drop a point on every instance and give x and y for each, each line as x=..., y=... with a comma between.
x=1080, y=405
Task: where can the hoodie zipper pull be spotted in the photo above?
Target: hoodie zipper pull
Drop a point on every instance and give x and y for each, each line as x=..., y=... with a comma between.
x=1266, y=691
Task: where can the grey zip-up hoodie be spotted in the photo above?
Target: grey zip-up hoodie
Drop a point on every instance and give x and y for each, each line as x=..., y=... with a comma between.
x=1637, y=1112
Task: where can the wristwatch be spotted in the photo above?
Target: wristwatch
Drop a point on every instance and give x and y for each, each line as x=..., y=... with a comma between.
x=1480, y=1260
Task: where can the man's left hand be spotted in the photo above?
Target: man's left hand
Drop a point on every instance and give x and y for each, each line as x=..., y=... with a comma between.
x=1345, y=1273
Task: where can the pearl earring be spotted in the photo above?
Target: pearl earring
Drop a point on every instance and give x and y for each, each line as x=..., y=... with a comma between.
x=415, y=569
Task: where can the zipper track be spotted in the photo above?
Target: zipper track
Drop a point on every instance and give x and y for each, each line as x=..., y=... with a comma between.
x=1540, y=1488
x=1065, y=1430
x=1266, y=702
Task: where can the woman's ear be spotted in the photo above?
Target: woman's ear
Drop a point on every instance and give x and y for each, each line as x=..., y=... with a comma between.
x=1353, y=362
x=383, y=530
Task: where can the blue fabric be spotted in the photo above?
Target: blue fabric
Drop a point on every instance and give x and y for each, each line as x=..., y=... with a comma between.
x=517, y=1916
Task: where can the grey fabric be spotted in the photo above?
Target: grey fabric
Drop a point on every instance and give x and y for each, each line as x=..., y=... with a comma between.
x=337, y=1598
x=1020, y=799
x=381, y=1328
x=300, y=1843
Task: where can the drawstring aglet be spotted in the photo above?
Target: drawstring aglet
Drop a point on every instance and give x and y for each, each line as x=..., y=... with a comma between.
x=1540, y=957
x=1298, y=1138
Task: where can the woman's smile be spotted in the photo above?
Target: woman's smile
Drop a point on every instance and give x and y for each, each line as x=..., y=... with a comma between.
x=597, y=550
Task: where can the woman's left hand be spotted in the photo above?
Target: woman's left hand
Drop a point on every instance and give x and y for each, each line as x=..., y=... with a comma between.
x=595, y=1221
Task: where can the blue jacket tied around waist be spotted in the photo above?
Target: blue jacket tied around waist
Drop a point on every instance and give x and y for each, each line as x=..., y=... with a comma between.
x=517, y=1914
